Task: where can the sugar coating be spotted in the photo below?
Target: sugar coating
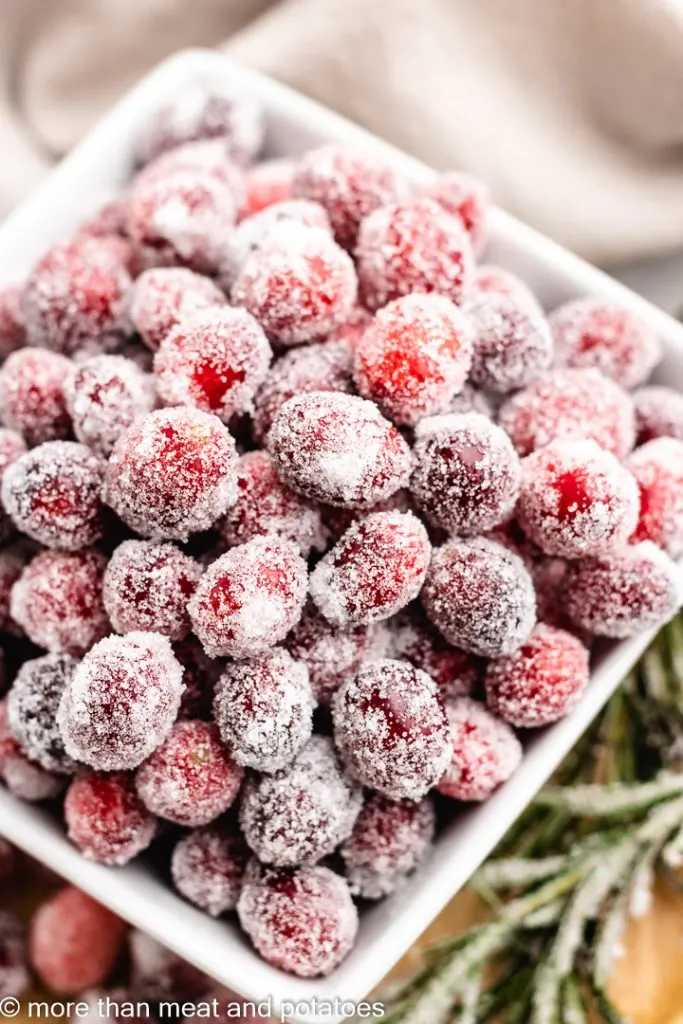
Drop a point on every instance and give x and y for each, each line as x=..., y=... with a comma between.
x=32, y=397
x=550, y=576
x=107, y=216
x=23, y=778
x=351, y=330
x=391, y=730
x=264, y=710
x=389, y=841
x=465, y=197
x=76, y=298
x=413, y=638
x=52, y=494
x=122, y=701
x=181, y=219
x=204, y=156
x=32, y=706
x=267, y=183
x=303, y=812
x=12, y=445
x=412, y=246
x=165, y=296
x=570, y=405
x=623, y=593
x=265, y=505
x=214, y=360
x=576, y=499
x=172, y=473
x=325, y=366
x=513, y=345
x=332, y=654
x=147, y=586
x=190, y=779
x=541, y=682
x=205, y=109
x=349, y=183
x=302, y=921
x=104, y=395
x=467, y=474
x=377, y=568
x=480, y=596
x=338, y=449
x=249, y=598
x=12, y=332
x=337, y=520
x=491, y=280
x=658, y=469
x=253, y=231
x=15, y=977
x=207, y=866
x=106, y=819
x=299, y=284
x=659, y=413
x=414, y=357
x=74, y=942
x=591, y=332
x=484, y=751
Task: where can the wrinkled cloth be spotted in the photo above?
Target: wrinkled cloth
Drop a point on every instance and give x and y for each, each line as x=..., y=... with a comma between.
x=570, y=110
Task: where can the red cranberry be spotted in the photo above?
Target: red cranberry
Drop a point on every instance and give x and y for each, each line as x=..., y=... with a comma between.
x=494, y=281
x=513, y=346
x=12, y=332
x=106, y=819
x=23, y=778
x=165, y=296
x=32, y=395
x=207, y=867
x=104, y=395
x=12, y=561
x=485, y=751
x=391, y=729
x=414, y=639
x=658, y=469
x=659, y=413
x=466, y=198
x=32, y=706
x=267, y=183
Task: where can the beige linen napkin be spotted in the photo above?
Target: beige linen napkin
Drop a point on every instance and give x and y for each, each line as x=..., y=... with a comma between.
x=571, y=110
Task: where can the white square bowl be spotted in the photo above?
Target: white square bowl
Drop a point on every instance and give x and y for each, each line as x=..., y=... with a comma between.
x=98, y=166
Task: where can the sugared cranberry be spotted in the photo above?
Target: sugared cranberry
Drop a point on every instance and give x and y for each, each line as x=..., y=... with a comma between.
x=338, y=449
x=32, y=706
x=207, y=867
x=513, y=345
x=496, y=282
x=659, y=413
x=389, y=840
x=203, y=157
x=322, y=367
x=330, y=653
x=12, y=332
x=624, y=592
x=349, y=183
x=576, y=499
x=52, y=494
x=122, y=701
x=147, y=586
x=484, y=751
x=215, y=360
x=658, y=469
x=57, y=600
x=172, y=473
x=570, y=405
x=74, y=942
x=165, y=296
x=414, y=639
x=467, y=474
x=76, y=298
x=267, y=183
x=413, y=357
x=300, y=920
x=302, y=813
x=107, y=217
x=299, y=284
x=412, y=246
x=190, y=779
x=181, y=219
x=391, y=729
x=23, y=778
x=352, y=329
x=265, y=505
x=264, y=710
x=12, y=445
x=377, y=568
x=249, y=598
x=541, y=682
x=595, y=333
x=206, y=109
x=12, y=561
x=14, y=973
x=32, y=396
x=480, y=596
x=106, y=819
x=104, y=395
x=337, y=520
x=464, y=197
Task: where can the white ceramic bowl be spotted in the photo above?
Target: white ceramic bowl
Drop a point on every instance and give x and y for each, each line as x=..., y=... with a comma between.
x=99, y=165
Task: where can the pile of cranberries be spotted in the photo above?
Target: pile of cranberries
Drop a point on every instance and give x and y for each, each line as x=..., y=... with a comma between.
x=304, y=514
